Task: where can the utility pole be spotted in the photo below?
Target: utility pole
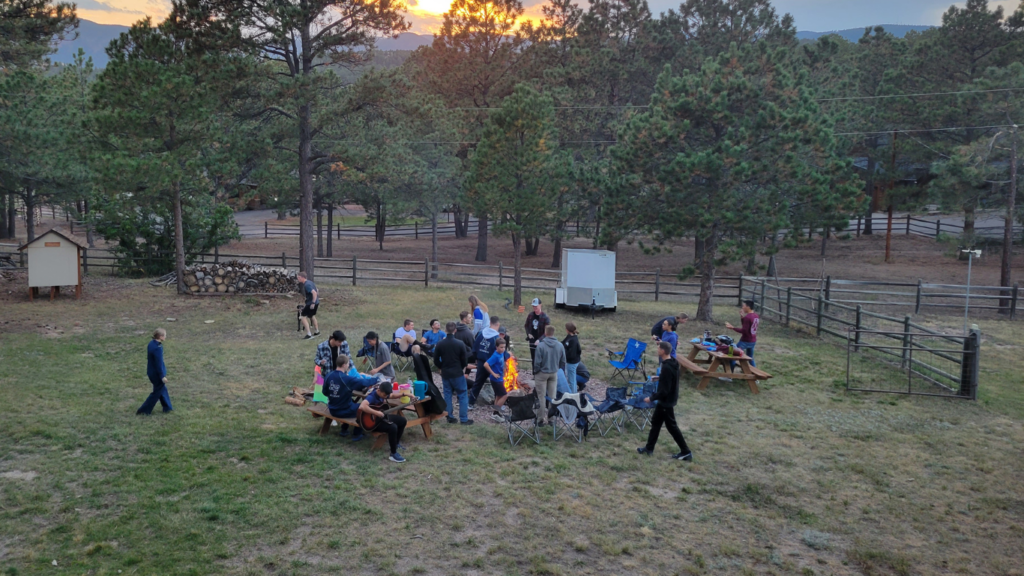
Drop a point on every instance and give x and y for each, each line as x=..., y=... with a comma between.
x=1005, y=279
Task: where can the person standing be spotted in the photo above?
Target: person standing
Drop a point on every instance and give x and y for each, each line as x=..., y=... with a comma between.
x=664, y=411
x=157, y=373
x=327, y=352
x=464, y=333
x=536, y=323
x=483, y=348
x=308, y=313
x=481, y=316
x=573, y=352
x=451, y=357
x=381, y=356
x=668, y=334
x=748, y=329
x=549, y=360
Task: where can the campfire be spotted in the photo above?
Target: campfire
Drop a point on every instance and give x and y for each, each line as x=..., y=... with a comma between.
x=511, y=374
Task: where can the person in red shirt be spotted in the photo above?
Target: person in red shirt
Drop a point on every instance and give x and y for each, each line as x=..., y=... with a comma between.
x=748, y=330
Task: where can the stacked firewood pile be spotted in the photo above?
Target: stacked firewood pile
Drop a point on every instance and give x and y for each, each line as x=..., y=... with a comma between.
x=239, y=276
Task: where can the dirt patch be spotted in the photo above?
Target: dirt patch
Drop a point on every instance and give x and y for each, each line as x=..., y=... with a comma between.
x=19, y=475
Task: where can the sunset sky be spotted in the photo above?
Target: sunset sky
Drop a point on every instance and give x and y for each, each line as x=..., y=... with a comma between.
x=425, y=15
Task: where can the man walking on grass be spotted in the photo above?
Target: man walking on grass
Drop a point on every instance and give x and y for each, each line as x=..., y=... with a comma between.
x=664, y=411
x=308, y=313
x=550, y=359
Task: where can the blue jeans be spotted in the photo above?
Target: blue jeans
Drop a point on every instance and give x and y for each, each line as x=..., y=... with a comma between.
x=748, y=349
x=159, y=394
x=570, y=375
x=459, y=386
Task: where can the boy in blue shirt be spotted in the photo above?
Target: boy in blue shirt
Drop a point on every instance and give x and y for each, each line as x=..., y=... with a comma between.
x=432, y=337
x=495, y=367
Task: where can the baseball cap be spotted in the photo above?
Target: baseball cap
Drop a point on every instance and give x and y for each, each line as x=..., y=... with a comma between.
x=501, y=330
x=536, y=302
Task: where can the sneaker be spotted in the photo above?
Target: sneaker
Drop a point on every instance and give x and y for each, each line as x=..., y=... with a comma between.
x=497, y=417
x=721, y=379
x=317, y=333
x=688, y=457
x=644, y=451
x=452, y=420
x=358, y=436
x=307, y=337
x=396, y=457
x=468, y=422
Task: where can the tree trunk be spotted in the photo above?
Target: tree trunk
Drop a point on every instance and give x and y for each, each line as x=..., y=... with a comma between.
x=382, y=224
x=1005, y=273
x=89, y=236
x=556, y=258
x=12, y=217
x=888, y=237
x=330, y=229
x=305, y=192
x=517, y=262
x=531, y=246
x=751, y=268
x=481, y=238
x=465, y=224
x=705, y=304
x=3, y=216
x=320, y=229
x=824, y=237
x=179, y=241
x=870, y=190
x=433, y=245
x=282, y=213
x=460, y=230
x=969, y=222
x=30, y=215
x=698, y=252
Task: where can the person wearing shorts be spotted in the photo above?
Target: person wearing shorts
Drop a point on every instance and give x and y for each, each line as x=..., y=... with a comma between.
x=308, y=314
x=495, y=367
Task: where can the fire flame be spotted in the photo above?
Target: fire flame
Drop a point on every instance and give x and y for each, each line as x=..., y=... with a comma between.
x=511, y=378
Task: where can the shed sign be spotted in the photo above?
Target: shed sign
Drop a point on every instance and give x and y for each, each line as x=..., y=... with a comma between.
x=52, y=244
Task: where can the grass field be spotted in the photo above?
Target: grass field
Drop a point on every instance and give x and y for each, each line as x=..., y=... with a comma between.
x=804, y=478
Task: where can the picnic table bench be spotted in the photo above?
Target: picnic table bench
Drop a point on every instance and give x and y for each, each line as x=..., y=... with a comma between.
x=716, y=360
x=422, y=419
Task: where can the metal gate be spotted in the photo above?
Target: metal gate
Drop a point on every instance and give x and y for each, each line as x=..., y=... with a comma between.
x=934, y=364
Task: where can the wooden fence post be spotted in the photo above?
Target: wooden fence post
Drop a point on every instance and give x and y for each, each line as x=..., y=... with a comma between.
x=426, y=272
x=906, y=340
x=828, y=290
x=908, y=224
x=216, y=254
x=85, y=268
x=858, y=226
x=339, y=230
x=789, y=303
x=760, y=305
x=917, y=302
x=857, y=328
x=739, y=299
x=657, y=283
x=416, y=226
x=284, y=261
x=1013, y=300
x=501, y=276
x=938, y=229
x=355, y=269
x=266, y=230
x=821, y=303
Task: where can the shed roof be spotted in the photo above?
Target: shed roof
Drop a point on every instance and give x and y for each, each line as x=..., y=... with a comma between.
x=63, y=234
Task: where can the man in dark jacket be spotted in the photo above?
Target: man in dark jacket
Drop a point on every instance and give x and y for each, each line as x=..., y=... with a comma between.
x=664, y=412
x=157, y=373
x=451, y=356
x=464, y=333
x=536, y=322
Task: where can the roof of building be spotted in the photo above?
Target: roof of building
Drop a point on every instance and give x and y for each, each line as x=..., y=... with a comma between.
x=63, y=234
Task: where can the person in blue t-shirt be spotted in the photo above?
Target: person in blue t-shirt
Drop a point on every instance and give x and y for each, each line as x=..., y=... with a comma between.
x=430, y=338
x=308, y=313
x=338, y=387
x=669, y=335
x=495, y=367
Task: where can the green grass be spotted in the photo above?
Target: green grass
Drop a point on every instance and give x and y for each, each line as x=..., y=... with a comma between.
x=803, y=478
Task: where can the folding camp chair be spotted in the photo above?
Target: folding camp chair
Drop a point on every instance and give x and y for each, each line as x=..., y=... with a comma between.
x=521, y=418
x=569, y=415
x=614, y=401
x=400, y=360
x=632, y=361
x=636, y=410
x=367, y=354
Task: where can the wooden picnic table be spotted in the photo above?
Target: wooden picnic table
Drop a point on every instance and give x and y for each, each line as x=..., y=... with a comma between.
x=716, y=360
x=422, y=419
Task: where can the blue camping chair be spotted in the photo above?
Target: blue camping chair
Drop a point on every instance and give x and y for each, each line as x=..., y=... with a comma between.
x=632, y=361
x=614, y=401
x=636, y=410
x=366, y=353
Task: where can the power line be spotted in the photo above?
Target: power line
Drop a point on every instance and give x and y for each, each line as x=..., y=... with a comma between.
x=919, y=94
x=921, y=130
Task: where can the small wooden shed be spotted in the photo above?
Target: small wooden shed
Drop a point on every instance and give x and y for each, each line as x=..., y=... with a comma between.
x=54, y=260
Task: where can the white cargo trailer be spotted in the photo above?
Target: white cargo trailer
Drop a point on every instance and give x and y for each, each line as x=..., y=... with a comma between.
x=588, y=280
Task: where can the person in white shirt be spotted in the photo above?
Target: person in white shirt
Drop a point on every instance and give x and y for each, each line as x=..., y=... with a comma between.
x=406, y=337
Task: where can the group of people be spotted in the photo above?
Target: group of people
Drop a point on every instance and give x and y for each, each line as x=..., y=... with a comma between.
x=477, y=338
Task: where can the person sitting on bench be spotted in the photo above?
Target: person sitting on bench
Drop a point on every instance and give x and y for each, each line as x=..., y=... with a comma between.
x=405, y=337
x=327, y=352
x=338, y=387
x=372, y=408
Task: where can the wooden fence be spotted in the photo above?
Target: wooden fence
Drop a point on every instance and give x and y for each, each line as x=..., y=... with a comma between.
x=908, y=225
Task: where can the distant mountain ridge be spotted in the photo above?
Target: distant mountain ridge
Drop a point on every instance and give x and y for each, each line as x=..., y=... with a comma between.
x=855, y=34
x=94, y=39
